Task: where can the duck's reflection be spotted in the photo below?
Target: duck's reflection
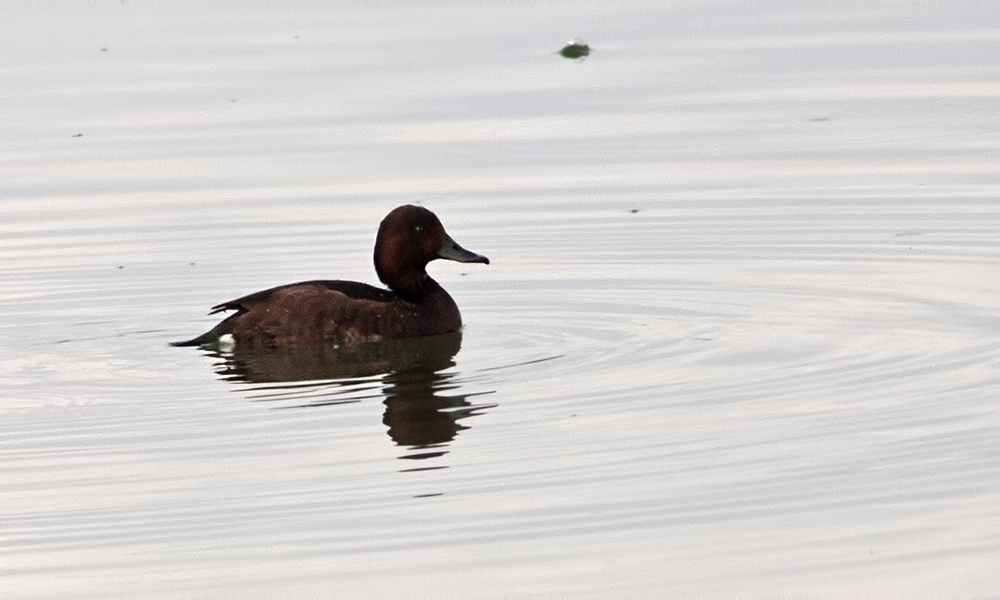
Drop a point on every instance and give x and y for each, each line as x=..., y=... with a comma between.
x=411, y=374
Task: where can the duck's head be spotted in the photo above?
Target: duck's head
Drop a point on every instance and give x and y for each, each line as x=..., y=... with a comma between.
x=408, y=238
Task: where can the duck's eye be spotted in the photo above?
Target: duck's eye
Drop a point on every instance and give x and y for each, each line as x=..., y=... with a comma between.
x=418, y=228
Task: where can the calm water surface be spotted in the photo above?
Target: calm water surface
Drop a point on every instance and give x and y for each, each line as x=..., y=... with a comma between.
x=739, y=335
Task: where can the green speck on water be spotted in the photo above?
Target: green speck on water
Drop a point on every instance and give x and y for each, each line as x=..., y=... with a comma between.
x=575, y=49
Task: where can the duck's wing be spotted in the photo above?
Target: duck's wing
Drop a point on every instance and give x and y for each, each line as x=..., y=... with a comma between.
x=293, y=292
x=351, y=289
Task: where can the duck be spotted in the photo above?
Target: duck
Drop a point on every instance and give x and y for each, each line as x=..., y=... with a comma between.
x=346, y=312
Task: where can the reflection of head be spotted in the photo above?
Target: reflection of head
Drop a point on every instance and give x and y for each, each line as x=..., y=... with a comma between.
x=416, y=414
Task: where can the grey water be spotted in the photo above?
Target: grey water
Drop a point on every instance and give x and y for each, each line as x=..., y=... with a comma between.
x=740, y=333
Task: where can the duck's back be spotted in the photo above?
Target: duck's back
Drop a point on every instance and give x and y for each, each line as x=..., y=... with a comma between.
x=351, y=289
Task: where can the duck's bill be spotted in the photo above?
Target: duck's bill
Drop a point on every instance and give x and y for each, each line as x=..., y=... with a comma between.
x=450, y=250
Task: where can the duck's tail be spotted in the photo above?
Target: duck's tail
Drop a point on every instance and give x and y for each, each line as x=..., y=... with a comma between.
x=212, y=335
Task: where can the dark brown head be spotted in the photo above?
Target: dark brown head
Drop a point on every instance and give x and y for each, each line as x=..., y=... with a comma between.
x=409, y=238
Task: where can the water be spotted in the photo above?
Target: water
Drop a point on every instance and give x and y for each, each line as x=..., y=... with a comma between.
x=738, y=336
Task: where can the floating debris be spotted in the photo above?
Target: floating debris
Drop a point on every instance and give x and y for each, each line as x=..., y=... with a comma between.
x=576, y=49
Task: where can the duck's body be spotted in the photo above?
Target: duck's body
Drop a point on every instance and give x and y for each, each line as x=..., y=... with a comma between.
x=347, y=311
